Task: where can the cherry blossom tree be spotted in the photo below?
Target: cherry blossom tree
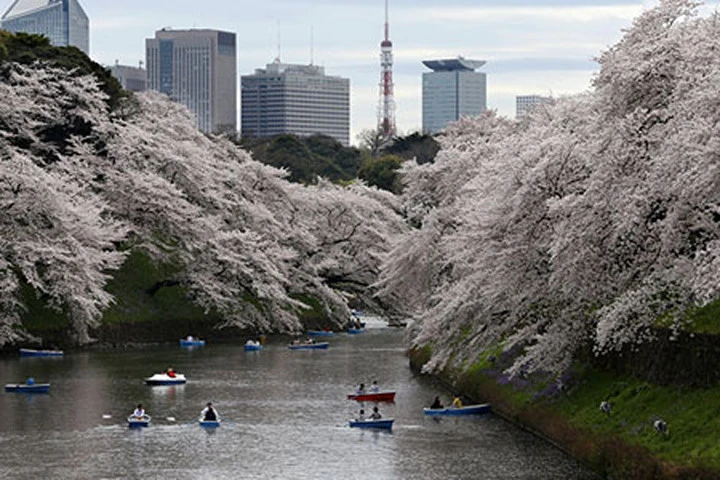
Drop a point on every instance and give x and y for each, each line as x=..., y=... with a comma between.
x=584, y=224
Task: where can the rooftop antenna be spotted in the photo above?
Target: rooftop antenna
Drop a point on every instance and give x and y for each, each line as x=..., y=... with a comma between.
x=277, y=59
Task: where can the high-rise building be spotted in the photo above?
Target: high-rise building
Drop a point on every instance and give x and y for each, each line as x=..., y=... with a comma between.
x=131, y=78
x=198, y=68
x=64, y=22
x=297, y=99
x=451, y=91
x=523, y=103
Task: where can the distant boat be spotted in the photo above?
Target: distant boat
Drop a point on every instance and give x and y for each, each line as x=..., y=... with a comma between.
x=138, y=422
x=309, y=346
x=356, y=330
x=467, y=410
x=253, y=347
x=383, y=423
x=192, y=342
x=386, y=396
x=209, y=423
x=28, y=387
x=320, y=333
x=29, y=352
x=165, y=379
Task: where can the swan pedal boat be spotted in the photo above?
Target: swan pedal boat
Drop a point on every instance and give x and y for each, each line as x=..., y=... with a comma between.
x=165, y=379
x=320, y=333
x=192, y=343
x=383, y=423
x=466, y=410
x=309, y=346
x=386, y=396
x=29, y=352
x=28, y=387
x=138, y=422
x=209, y=423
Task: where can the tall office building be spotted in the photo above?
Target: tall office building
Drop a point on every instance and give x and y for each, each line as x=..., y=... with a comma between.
x=297, y=99
x=64, y=22
x=131, y=78
x=523, y=103
x=451, y=91
x=197, y=68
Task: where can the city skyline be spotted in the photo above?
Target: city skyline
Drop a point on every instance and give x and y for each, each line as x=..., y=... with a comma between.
x=543, y=47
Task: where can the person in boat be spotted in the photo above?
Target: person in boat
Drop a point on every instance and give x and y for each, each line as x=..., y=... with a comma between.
x=209, y=413
x=456, y=403
x=170, y=372
x=190, y=338
x=374, y=388
x=437, y=404
x=361, y=416
x=375, y=415
x=361, y=389
x=139, y=412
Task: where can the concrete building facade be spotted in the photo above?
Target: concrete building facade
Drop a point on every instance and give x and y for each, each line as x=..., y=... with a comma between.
x=198, y=68
x=64, y=22
x=296, y=99
x=131, y=78
x=451, y=91
x=523, y=103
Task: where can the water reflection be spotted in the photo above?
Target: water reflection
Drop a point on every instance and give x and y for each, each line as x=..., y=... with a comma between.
x=285, y=415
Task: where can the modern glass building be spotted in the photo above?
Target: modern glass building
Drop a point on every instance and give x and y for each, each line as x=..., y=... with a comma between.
x=451, y=91
x=198, y=68
x=64, y=22
x=297, y=99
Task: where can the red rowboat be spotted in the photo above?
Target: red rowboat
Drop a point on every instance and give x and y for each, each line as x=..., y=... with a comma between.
x=373, y=397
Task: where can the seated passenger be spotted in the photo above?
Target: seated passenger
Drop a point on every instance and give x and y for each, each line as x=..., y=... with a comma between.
x=437, y=403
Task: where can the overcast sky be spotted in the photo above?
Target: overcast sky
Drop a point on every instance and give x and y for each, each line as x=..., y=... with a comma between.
x=531, y=46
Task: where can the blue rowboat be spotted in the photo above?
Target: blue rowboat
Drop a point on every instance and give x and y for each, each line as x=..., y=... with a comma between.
x=138, y=422
x=165, y=379
x=309, y=346
x=467, y=410
x=29, y=352
x=320, y=333
x=356, y=330
x=209, y=423
x=252, y=348
x=28, y=387
x=192, y=343
x=383, y=423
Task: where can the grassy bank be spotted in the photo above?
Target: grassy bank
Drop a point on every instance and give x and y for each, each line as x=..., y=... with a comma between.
x=622, y=444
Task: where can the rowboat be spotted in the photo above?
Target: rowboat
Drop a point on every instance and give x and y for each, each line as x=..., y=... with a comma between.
x=209, y=423
x=309, y=346
x=29, y=352
x=165, y=379
x=355, y=330
x=320, y=333
x=28, y=387
x=138, y=422
x=387, y=396
x=383, y=423
x=250, y=348
x=467, y=410
x=192, y=342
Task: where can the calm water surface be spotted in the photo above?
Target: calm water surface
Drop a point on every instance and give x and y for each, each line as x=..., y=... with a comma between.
x=285, y=417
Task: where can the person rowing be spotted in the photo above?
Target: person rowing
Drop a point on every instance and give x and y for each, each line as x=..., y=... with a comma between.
x=209, y=414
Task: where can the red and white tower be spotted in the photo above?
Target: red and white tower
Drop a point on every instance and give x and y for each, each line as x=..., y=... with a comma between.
x=386, y=109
